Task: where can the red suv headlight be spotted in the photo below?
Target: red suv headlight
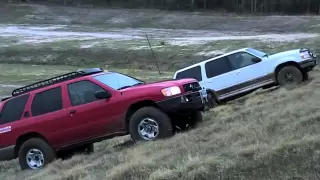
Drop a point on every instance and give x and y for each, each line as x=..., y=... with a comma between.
x=171, y=91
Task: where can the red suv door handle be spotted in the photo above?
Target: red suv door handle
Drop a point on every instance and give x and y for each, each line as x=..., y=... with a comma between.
x=73, y=111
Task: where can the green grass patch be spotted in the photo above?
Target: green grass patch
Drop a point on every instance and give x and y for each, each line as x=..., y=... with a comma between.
x=133, y=54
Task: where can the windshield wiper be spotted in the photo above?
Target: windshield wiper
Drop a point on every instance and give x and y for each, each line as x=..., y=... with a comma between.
x=124, y=87
x=139, y=83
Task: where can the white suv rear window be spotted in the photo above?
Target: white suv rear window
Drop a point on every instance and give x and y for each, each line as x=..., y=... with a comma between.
x=194, y=73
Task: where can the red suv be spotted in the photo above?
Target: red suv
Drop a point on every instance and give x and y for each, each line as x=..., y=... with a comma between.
x=69, y=113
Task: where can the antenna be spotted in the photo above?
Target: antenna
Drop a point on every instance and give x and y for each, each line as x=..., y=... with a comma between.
x=154, y=56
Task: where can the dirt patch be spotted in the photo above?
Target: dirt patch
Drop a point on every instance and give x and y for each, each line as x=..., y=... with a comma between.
x=43, y=34
x=266, y=37
x=179, y=37
x=9, y=86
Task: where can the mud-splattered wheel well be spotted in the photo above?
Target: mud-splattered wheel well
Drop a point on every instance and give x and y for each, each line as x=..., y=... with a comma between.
x=290, y=63
x=134, y=107
x=24, y=138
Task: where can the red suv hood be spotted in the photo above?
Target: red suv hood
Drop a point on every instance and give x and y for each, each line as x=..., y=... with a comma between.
x=172, y=81
x=152, y=91
x=162, y=84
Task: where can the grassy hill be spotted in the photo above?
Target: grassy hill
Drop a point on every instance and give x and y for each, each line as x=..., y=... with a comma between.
x=267, y=135
x=270, y=134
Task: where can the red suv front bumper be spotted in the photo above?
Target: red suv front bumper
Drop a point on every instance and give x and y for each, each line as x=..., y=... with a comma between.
x=185, y=104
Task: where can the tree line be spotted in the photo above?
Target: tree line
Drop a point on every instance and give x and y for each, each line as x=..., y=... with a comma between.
x=238, y=6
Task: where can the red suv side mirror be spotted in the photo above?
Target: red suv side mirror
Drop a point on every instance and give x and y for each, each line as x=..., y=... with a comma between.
x=103, y=94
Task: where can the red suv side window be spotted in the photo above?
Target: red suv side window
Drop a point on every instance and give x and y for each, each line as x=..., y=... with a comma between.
x=13, y=109
x=47, y=101
x=82, y=92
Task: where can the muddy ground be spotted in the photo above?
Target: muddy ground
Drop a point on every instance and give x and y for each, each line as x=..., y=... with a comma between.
x=117, y=38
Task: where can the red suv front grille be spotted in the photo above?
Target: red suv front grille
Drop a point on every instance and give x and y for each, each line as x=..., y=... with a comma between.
x=191, y=87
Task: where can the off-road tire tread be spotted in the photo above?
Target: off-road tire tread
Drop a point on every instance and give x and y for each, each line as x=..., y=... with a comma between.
x=49, y=153
x=196, y=119
x=163, y=120
x=296, y=71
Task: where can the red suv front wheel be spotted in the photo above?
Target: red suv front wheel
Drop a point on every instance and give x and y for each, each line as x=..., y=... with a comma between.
x=150, y=123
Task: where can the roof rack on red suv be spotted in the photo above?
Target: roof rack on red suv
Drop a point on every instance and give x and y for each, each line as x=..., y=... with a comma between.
x=3, y=99
x=55, y=80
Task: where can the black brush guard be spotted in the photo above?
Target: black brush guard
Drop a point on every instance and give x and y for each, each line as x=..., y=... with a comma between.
x=209, y=98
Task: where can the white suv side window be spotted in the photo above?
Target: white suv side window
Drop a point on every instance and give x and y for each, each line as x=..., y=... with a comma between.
x=217, y=67
x=194, y=73
x=240, y=60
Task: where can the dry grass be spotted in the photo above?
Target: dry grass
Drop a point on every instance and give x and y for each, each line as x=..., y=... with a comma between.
x=265, y=135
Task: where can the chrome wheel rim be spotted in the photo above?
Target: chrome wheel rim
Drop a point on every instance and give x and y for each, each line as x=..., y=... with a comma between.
x=290, y=78
x=35, y=158
x=148, y=129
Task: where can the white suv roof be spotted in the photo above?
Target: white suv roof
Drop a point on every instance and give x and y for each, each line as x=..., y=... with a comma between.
x=216, y=57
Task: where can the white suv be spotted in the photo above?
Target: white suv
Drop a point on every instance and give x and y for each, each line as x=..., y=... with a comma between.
x=245, y=70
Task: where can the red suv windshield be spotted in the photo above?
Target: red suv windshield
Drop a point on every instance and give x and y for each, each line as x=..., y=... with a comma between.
x=117, y=81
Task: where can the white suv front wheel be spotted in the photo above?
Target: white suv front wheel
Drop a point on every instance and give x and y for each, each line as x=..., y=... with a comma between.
x=289, y=76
